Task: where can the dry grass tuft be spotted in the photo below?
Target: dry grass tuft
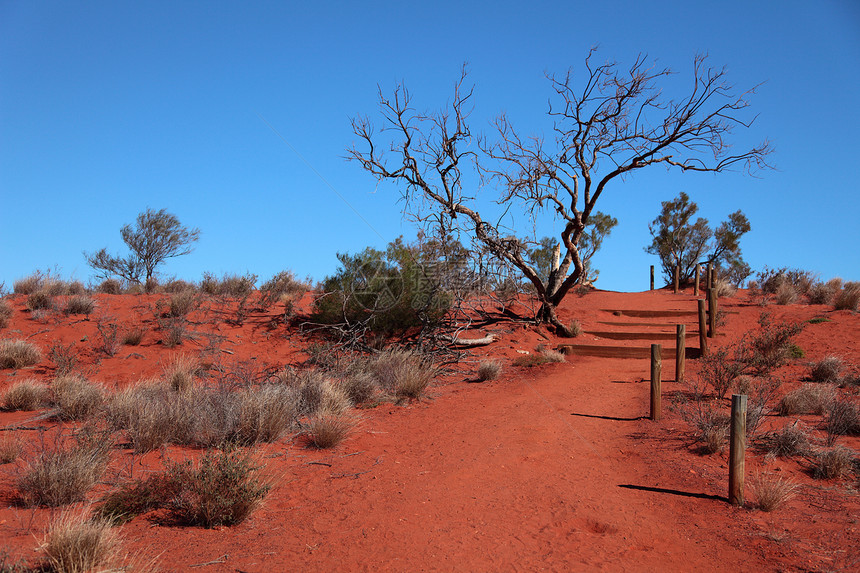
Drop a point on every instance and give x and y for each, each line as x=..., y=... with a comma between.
x=771, y=491
x=359, y=385
x=40, y=300
x=489, y=370
x=10, y=448
x=848, y=298
x=807, y=399
x=77, y=544
x=827, y=369
x=833, y=463
x=110, y=286
x=552, y=355
x=786, y=293
x=404, y=374
x=75, y=397
x=182, y=303
x=18, y=354
x=5, y=313
x=842, y=418
x=27, y=395
x=791, y=440
x=61, y=475
x=80, y=304
x=266, y=413
x=147, y=414
x=133, y=336
x=181, y=372
x=326, y=430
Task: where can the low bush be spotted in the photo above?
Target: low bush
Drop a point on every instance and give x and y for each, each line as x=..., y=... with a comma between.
x=790, y=440
x=28, y=285
x=822, y=293
x=76, y=543
x=108, y=341
x=833, y=463
x=720, y=369
x=64, y=357
x=770, y=347
x=710, y=426
x=807, y=399
x=80, y=304
x=148, y=415
x=175, y=286
x=27, y=395
x=326, y=430
x=318, y=394
x=827, y=370
x=174, y=331
x=61, y=475
x=489, y=370
x=75, y=398
x=17, y=354
x=40, y=300
x=130, y=500
x=771, y=491
x=574, y=328
x=283, y=284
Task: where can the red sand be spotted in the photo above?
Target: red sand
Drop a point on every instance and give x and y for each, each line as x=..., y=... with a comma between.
x=552, y=468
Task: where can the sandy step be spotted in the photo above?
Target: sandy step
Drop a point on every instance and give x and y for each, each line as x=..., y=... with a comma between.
x=639, y=335
x=621, y=351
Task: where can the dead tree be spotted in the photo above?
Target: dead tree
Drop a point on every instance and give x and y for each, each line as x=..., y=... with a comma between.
x=614, y=122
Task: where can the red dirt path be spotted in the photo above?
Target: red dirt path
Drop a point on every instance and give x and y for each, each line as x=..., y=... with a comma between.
x=552, y=468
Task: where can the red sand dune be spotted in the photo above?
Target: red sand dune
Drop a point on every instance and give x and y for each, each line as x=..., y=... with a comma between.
x=553, y=468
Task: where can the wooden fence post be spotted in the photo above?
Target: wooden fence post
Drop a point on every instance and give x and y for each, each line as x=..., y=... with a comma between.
x=675, y=279
x=703, y=340
x=652, y=277
x=712, y=313
x=680, y=349
x=698, y=278
x=656, y=366
x=710, y=277
x=737, y=449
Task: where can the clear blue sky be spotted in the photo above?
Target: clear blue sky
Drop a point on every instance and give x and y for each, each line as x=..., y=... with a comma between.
x=107, y=108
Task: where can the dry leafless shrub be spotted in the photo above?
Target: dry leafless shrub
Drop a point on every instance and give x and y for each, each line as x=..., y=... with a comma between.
x=175, y=286
x=76, y=398
x=62, y=474
x=175, y=331
x=80, y=304
x=786, y=294
x=404, y=374
x=807, y=399
x=827, y=370
x=326, y=430
x=27, y=395
x=791, y=440
x=17, y=354
x=710, y=426
x=842, y=418
x=720, y=369
x=848, y=298
x=223, y=488
x=266, y=413
x=133, y=336
x=770, y=347
x=75, y=543
x=181, y=372
x=5, y=313
x=772, y=491
x=489, y=370
x=318, y=394
x=110, y=286
x=10, y=448
x=40, y=300
x=64, y=357
x=833, y=463
x=109, y=340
